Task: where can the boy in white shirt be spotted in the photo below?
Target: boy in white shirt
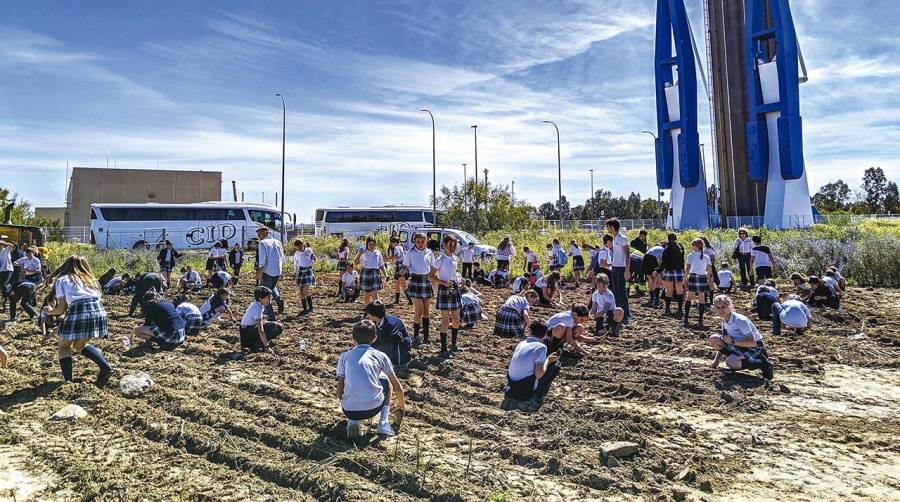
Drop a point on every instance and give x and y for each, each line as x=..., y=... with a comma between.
x=530, y=258
x=603, y=308
x=349, y=284
x=190, y=280
x=366, y=381
x=467, y=255
x=726, y=278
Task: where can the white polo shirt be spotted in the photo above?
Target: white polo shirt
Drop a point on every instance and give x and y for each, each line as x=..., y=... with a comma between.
x=739, y=327
x=302, y=259
x=725, y=278
x=348, y=279
x=795, y=314
x=761, y=256
x=5, y=260
x=563, y=318
x=605, y=302
x=446, y=267
x=519, y=303
x=254, y=313
x=575, y=250
x=372, y=259
x=271, y=257
x=619, y=256
x=467, y=255
x=362, y=369
x=470, y=299
x=72, y=290
x=31, y=265
x=527, y=354
x=419, y=262
x=187, y=308
x=744, y=245
x=698, y=263
x=191, y=277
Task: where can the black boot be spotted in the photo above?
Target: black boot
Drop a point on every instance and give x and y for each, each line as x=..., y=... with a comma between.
x=453, y=334
x=408, y=298
x=444, y=352
x=309, y=304
x=425, y=329
x=687, y=312
x=679, y=299
x=96, y=355
x=65, y=364
x=396, y=298
x=415, y=339
x=701, y=308
x=668, y=306
x=305, y=308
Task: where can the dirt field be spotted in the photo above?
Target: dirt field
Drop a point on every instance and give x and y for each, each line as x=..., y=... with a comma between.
x=268, y=427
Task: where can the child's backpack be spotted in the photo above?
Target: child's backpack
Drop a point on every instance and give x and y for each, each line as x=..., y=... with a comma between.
x=561, y=257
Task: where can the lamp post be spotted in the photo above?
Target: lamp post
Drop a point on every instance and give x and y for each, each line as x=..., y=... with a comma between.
x=658, y=192
x=559, y=171
x=475, y=128
x=465, y=180
x=514, y=191
x=283, y=143
x=592, y=193
x=433, y=169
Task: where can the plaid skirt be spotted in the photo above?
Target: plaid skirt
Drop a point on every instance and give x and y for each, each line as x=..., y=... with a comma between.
x=697, y=283
x=400, y=270
x=305, y=276
x=673, y=275
x=756, y=354
x=193, y=323
x=449, y=298
x=166, y=337
x=370, y=280
x=342, y=264
x=509, y=322
x=84, y=319
x=578, y=263
x=212, y=264
x=419, y=287
x=471, y=313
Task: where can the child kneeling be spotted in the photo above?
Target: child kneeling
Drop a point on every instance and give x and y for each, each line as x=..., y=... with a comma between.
x=256, y=333
x=366, y=381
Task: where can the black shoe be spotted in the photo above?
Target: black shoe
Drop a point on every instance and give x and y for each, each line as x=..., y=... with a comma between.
x=455, y=348
x=446, y=354
x=767, y=370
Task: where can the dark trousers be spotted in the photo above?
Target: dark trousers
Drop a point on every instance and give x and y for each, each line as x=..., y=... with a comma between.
x=620, y=290
x=467, y=270
x=776, y=318
x=237, y=272
x=250, y=335
x=5, y=281
x=27, y=306
x=271, y=282
x=763, y=273
x=744, y=265
x=523, y=390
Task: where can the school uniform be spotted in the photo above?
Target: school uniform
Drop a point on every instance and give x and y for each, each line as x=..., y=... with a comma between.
x=539, y=289
x=213, y=258
x=166, y=324
x=343, y=254
x=249, y=331
x=236, y=260
x=762, y=265
x=471, y=309
x=763, y=300
x=479, y=277
x=167, y=259
x=639, y=244
x=553, y=256
x=85, y=317
x=791, y=313
x=112, y=285
x=651, y=260
x=31, y=268
x=191, y=280
x=566, y=319
x=468, y=259
x=220, y=279
x=605, y=255
x=22, y=293
x=209, y=310
x=270, y=258
x=603, y=303
x=349, y=286
x=698, y=264
x=510, y=319
x=519, y=284
x=742, y=248
x=419, y=264
x=672, y=263
x=448, y=297
x=372, y=263
x=618, y=284
x=303, y=267
x=637, y=268
x=740, y=327
x=522, y=384
x=6, y=269
x=824, y=296
x=726, y=278
x=397, y=254
x=504, y=255
x=577, y=258
x=365, y=371
x=190, y=314
x=144, y=283
x=498, y=278
x=393, y=340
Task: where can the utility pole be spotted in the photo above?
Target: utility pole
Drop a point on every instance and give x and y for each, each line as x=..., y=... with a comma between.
x=559, y=171
x=433, y=167
x=592, y=194
x=514, y=191
x=283, y=146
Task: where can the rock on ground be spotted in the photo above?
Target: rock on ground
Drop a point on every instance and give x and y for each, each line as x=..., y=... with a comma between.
x=619, y=449
x=136, y=384
x=70, y=412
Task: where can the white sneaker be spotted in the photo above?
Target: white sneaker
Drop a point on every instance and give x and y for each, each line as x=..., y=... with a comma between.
x=354, y=429
x=385, y=429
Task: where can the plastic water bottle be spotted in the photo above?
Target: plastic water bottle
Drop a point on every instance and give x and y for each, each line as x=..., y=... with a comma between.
x=126, y=342
x=302, y=344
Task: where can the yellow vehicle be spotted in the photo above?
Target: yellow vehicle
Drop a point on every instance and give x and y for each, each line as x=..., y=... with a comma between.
x=23, y=235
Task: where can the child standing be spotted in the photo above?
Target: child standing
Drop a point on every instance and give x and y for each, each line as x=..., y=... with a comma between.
x=236, y=260
x=530, y=259
x=650, y=267
x=505, y=252
x=468, y=258
x=303, y=262
x=449, y=300
x=761, y=259
x=213, y=259
x=256, y=334
x=343, y=254
x=372, y=263
x=419, y=261
x=513, y=316
x=742, y=247
x=699, y=272
x=621, y=265
x=577, y=261
x=396, y=254
x=672, y=266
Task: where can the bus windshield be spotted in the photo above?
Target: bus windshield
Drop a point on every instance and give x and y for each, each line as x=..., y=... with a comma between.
x=267, y=218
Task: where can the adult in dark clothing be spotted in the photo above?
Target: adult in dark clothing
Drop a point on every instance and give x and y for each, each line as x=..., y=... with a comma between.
x=765, y=297
x=393, y=339
x=672, y=265
x=147, y=282
x=167, y=259
x=236, y=260
x=162, y=322
x=640, y=243
x=22, y=293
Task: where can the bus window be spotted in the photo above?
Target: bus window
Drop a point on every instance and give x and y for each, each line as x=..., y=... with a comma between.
x=320, y=214
x=141, y=214
x=429, y=217
x=204, y=214
x=177, y=214
x=235, y=214
x=267, y=218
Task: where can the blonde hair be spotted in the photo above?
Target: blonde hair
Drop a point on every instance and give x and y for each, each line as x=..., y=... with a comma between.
x=76, y=267
x=724, y=299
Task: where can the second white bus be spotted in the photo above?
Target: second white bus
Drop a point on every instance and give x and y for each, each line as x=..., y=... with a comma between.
x=358, y=221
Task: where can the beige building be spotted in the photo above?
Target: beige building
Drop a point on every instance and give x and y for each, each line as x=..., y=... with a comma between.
x=57, y=214
x=90, y=185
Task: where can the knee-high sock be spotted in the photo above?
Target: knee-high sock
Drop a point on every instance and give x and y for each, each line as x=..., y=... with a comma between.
x=687, y=311
x=96, y=355
x=65, y=364
x=443, y=342
x=453, y=333
x=385, y=413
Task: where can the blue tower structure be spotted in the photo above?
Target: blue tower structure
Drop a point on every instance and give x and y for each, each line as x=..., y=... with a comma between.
x=774, y=127
x=678, y=141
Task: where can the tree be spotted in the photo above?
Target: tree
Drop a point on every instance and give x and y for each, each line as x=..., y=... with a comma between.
x=892, y=198
x=480, y=207
x=832, y=197
x=547, y=211
x=874, y=187
x=22, y=213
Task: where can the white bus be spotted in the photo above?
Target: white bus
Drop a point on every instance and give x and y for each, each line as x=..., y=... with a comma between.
x=357, y=221
x=188, y=226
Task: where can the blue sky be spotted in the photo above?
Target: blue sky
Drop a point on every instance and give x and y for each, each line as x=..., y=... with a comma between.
x=190, y=85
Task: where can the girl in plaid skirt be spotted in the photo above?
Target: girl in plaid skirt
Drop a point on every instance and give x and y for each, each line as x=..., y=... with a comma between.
x=449, y=300
x=372, y=264
x=740, y=344
x=418, y=262
x=303, y=268
x=512, y=317
x=672, y=266
x=699, y=272
x=470, y=314
x=77, y=295
x=396, y=254
x=193, y=319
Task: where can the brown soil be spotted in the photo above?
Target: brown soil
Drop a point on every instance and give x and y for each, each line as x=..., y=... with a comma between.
x=269, y=428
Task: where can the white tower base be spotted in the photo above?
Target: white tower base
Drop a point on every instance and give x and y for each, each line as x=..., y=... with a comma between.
x=687, y=206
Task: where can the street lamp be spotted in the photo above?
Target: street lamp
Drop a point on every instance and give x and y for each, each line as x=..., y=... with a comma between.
x=475, y=195
x=559, y=170
x=592, y=193
x=433, y=170
x=465, y=180
x=283, y=143
x=658, y=192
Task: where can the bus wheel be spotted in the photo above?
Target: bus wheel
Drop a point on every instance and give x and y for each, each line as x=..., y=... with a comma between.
x=140, y=246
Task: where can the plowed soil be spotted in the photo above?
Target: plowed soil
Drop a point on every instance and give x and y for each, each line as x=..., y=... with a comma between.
x=268, y=427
